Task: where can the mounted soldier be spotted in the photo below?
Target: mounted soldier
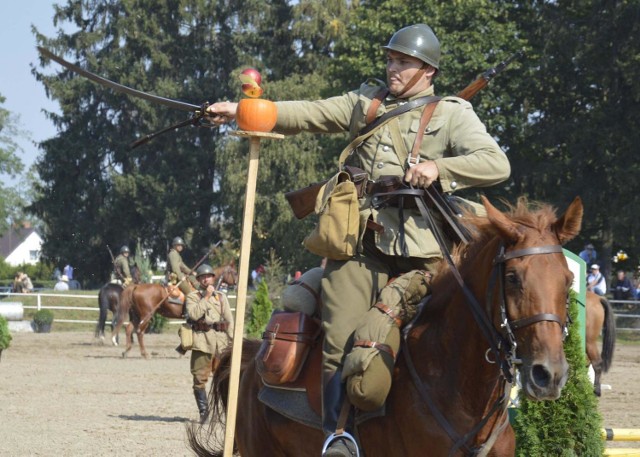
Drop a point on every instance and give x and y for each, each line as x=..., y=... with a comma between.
x=177, y=272
x=122, y=271
x=419, y=139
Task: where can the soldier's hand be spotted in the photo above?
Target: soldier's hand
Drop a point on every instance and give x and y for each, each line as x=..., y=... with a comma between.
x=210, y=290
x=422, y=174
x=222, y=112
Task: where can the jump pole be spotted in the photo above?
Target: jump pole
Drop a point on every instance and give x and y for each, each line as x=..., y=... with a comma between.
x=243, y=279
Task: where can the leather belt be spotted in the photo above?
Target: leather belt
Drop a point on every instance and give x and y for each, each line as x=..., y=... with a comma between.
x=200, y=326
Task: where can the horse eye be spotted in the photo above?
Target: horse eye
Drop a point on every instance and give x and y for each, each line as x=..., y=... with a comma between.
x=512, y=279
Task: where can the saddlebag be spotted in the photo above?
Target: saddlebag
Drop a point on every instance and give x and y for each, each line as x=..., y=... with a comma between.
x=286, y=342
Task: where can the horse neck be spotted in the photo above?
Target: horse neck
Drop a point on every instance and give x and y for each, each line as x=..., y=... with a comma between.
x=446, y=343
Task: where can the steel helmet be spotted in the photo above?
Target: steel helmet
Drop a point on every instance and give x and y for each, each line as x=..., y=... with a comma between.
x=124, y=249
x=204, y=269
x=176, y=241
x=417, y=41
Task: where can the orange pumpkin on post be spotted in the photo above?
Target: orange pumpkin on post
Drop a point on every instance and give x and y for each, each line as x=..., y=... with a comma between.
x=256, y=115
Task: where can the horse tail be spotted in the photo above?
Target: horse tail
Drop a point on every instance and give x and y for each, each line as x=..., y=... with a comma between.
x=211, y=446
x=608, y=335
x=103, y=303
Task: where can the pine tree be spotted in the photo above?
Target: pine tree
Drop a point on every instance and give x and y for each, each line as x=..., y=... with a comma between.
x=260, y=313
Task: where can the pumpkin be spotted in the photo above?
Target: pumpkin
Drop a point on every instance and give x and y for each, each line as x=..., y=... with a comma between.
x=256, y=115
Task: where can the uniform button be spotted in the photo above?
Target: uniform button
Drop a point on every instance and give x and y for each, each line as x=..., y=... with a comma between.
x=380, y=165
x=385, y=148
x=454, y=184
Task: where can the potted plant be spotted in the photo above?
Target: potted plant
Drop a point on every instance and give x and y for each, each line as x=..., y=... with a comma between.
x=5, y=336
x=42, y=320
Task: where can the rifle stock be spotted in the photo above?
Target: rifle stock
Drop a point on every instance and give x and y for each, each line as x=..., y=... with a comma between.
x=303, y=201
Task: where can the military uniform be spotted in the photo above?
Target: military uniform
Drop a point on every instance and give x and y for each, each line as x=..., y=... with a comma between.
x=177, y=271
x=123, y=272
x=209, y=342
x=466, y=156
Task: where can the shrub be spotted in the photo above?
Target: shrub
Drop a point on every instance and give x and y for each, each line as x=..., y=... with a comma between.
x=569, y=426
x=5, y=335
x=157, y=324
x=42, y=320
x=260, y=313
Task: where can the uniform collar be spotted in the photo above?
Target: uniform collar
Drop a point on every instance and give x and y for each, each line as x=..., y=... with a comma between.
x=427, y=92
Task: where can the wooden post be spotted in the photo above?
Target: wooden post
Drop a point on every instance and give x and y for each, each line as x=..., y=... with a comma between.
x=243, y=280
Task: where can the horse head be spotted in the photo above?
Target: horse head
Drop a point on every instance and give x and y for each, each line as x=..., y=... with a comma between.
x=529, y=302
x=227, y=274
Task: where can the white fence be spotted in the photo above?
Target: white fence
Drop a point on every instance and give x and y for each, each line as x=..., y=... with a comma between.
x=39, y=305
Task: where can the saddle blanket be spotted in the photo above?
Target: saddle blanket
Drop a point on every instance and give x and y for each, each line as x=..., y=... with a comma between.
x=293, y=404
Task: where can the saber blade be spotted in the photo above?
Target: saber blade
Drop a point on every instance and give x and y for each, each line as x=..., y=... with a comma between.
x=119, y=87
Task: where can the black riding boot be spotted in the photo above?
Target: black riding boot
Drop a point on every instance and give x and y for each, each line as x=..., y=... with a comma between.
x=203, y=405
x=333, y=396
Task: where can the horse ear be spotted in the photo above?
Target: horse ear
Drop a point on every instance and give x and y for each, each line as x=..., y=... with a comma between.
x=507, y=229
x=568, y=225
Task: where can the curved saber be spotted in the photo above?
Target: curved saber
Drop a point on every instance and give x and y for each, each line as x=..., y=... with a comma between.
x=120, y=88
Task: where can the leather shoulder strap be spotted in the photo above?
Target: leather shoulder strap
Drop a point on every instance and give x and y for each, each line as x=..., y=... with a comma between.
x=375, y=104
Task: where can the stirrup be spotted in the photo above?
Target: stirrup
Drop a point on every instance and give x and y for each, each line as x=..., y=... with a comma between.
x=334, y=436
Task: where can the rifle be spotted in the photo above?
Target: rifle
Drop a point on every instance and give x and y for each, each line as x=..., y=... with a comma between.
x=195, y=267
x=303, y=201
x=113, y=262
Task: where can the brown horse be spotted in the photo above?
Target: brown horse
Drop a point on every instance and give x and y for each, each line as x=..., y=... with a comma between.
x=599, y=318
x=142, y=301
x=109, y=300
x=506, y=303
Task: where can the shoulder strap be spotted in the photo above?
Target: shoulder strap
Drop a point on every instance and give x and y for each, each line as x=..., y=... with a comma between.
x=369, y=129
x=375, y=104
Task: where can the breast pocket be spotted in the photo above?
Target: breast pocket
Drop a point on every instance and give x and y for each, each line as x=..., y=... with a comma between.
x=433, y=143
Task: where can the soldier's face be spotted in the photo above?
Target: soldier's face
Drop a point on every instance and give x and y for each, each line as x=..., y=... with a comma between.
x=400, y=70
x=206, y=280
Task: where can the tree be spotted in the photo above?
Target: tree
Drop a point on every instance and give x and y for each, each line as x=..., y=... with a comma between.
x=260, y=311
x=95, y=190
x=11, y=202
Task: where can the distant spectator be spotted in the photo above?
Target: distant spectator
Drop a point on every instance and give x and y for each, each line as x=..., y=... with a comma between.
x=622, y=287
x=68, y=271
x=589, y=254
x=27, y=285
x=18, y=286
x=56, y=274
x=595, y=281
x=62, y=284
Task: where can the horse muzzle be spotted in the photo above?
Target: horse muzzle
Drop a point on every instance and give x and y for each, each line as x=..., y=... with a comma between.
x=544, y=379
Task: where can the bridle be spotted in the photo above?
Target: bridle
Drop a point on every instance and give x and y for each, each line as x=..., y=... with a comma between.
x=227, y=270
x=502, y=343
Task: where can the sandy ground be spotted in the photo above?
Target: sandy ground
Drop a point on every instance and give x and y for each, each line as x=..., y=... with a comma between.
x=61, y=394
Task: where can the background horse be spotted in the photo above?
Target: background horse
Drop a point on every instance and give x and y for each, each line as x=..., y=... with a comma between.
x=451, y=385
x=600, y=318
x=142, y=301
x=109, y=300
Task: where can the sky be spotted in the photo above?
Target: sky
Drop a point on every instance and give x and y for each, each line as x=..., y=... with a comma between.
x=25, y=97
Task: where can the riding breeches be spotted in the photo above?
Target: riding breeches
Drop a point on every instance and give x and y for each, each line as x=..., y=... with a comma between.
x=202, y=366
x=350, y=288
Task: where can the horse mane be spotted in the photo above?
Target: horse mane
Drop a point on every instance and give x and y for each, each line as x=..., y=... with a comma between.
x=533, y=214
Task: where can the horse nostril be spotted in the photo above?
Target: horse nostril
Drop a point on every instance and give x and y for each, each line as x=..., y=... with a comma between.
x=540, y=375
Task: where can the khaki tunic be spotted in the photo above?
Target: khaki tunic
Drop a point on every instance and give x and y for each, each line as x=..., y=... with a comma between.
x=214, y=309
x=176, y=265
x=465, y=154
x=121, y=265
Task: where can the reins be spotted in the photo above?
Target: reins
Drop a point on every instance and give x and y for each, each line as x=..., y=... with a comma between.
x=501, y=343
